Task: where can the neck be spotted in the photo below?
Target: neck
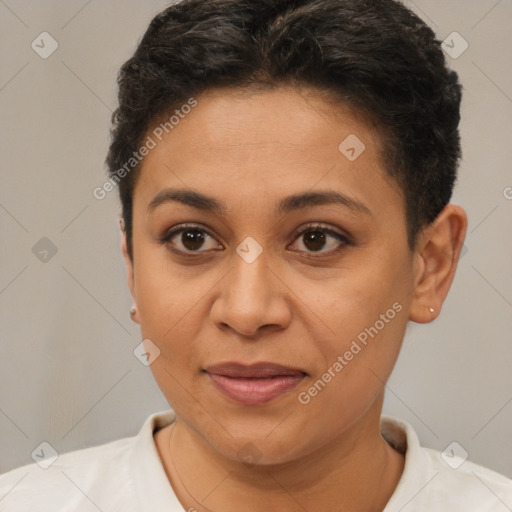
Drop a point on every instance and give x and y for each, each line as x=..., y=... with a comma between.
x=356, y=471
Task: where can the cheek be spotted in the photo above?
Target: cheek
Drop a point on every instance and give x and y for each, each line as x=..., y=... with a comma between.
x=364, y=348
x=366, y=313
x=166, y=311
x=162, y=295
x=357, y=300
x=355, y=372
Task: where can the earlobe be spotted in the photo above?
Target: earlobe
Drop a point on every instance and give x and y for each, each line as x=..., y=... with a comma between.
x=437, y=256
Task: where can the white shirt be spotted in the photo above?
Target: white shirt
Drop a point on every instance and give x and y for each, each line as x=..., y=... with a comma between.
x=127, y=475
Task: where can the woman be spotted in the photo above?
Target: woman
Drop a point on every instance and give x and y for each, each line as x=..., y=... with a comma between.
x=285, y=171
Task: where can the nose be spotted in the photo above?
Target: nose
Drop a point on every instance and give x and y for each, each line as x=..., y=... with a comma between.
x=252, y=299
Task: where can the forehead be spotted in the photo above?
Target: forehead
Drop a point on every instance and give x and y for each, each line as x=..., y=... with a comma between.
x=300, y=121
x=249, y=147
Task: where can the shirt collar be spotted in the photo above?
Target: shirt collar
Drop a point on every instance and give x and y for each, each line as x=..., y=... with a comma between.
x=153, y=487
x=418, y=471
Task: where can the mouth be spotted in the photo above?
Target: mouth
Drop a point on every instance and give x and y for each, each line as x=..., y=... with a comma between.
x=254, y=384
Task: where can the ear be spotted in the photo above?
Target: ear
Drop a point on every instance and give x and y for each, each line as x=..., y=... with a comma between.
x=129, y=267
x=436, y=260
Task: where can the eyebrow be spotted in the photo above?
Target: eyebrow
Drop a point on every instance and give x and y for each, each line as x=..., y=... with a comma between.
x=298, y=201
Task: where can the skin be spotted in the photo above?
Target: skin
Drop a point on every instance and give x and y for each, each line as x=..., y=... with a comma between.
x=298, y=304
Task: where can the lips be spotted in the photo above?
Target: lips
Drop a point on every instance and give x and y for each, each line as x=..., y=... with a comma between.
x=254, y=384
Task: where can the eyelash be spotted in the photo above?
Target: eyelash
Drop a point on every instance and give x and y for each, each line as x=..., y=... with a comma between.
x=345, y=240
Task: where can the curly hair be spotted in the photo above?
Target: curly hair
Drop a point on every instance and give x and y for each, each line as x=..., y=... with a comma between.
x=375, y=55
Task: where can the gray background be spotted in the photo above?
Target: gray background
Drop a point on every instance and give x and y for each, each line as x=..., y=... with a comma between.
x=67, y=370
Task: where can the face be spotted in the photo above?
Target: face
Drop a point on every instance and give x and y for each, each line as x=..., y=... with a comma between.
x=303, y=264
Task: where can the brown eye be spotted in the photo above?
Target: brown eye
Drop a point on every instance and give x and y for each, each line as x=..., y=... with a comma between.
x=188, y=239
x=316, y=238
x=192, y=239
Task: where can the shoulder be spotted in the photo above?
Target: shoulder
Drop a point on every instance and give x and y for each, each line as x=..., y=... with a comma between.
x=473, y=485
x=444, y=482
x=119, y=475
x=76, y=478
